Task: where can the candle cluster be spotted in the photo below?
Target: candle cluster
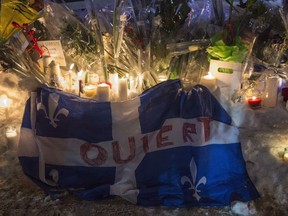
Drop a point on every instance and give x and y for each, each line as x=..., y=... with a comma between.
x=88, y=84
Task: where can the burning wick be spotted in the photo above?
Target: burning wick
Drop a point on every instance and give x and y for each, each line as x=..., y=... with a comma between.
x=254, y=102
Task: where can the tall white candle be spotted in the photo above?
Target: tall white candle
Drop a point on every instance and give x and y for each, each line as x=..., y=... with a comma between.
x=271, y=92
x=114, y=80
x=55, y=74
x=103, y=92
x=46, y=61
x=123, y=89
x=70, y=76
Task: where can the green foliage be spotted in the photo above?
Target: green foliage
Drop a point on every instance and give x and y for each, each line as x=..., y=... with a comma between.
x=220, y=51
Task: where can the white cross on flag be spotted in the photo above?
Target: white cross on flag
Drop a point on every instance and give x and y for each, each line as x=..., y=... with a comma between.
x=166, y=147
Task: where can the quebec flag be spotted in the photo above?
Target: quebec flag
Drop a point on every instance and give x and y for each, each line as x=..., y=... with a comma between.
x=167, y=147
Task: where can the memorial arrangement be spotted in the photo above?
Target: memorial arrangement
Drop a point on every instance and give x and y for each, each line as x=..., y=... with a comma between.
x=135, y=95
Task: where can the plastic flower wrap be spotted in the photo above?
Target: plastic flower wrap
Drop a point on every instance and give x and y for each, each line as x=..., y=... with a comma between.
x=14, y=13
x=221, y=51
x=79, y=43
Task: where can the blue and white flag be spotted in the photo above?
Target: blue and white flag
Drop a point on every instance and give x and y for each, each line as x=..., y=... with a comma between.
x=166, y=147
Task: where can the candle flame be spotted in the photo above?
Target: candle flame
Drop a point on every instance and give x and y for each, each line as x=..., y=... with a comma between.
x=71, y=66
x=80, y=74
x=4, y=101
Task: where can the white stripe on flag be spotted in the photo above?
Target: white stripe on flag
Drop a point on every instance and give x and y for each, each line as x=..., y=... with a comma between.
x=28, y=146
x=125, y=124
x=60, y=151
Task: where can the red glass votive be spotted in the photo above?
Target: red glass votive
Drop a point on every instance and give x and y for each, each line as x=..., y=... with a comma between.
x=254, y=102
x=284, y=93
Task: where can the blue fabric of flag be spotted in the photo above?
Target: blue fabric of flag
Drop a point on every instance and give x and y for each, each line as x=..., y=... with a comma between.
x=72, y=148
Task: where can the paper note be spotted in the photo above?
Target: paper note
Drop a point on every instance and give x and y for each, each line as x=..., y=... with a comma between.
x=54, y=49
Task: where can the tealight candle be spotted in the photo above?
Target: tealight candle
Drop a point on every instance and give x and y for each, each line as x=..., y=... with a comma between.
x=103, y=92
x=209, y=81
x=90, y=90
x=11, y=135
x=123, y=89
x=254, y=102
x=162, y=78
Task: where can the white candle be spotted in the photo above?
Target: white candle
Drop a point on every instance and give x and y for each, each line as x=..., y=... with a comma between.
x=123, y=89
x=162, y=78
x=70, y=76
x=46, y=61
x=271, y=92
x=11, y=135
x=132, y=83
x=114, y=80
x=93, y=78
x=4, y=104
x=55, y=74
x=90, y=90
x=103, y=92
x=209, y=81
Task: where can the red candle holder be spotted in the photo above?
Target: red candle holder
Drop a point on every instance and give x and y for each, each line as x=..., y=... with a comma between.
x=255, y=102
x=284, y=93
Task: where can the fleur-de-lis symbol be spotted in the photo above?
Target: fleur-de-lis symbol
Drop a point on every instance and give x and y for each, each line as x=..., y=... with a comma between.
x=185, y=179
x=52, y=106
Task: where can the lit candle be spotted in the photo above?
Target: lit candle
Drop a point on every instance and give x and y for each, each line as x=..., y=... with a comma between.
x=209, y=81
x=271, y=92
x=114, y=80
x=4, y=104
x=162, y=78
x=90, y=90
x=123, y=89
x=70, y=76
x=11, y=135
x=93, y=78
x=103, y=92
x=285, y=156
x=254, y=102
x=131, y=83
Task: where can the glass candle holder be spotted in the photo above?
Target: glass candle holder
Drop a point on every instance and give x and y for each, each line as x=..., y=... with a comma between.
x=254, y=102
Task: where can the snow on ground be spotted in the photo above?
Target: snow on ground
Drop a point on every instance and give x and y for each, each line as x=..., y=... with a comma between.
x=263, y=135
